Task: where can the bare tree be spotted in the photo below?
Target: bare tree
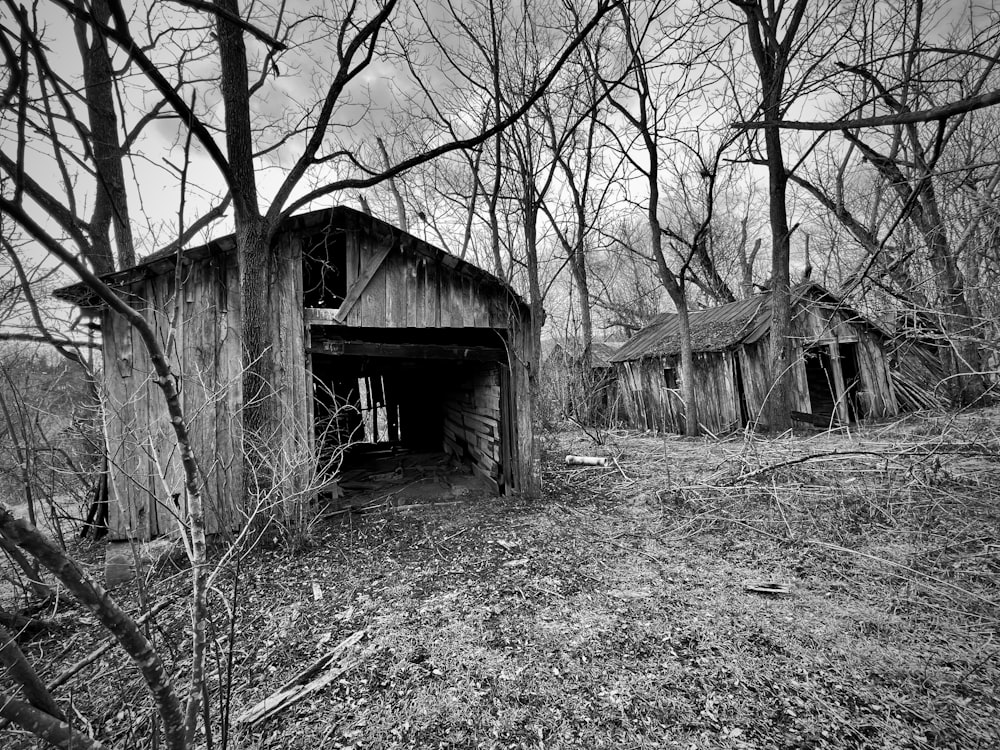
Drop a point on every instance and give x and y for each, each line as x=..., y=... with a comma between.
x=919, y=156
x=772, y=34
x=644, y=104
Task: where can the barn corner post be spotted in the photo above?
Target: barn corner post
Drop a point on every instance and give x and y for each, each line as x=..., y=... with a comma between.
x=528, y=360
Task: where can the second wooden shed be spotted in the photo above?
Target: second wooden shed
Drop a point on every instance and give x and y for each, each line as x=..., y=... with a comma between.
x=840, y=365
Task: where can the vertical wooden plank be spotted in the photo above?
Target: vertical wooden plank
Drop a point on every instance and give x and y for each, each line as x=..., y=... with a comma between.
x=167, y=473
x=352, y=257
x=198, y=355
x=390, y=287
x=420, y=296
x=452, y=292
x=119, y=414
x=410, y=268
x=373, y=300
x=141, y=396
x=434, y=311
x=229, y=419
x=838, y=384
x=395, y=291
x=480, y=301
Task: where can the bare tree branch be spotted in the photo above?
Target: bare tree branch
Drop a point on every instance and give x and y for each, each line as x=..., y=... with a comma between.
x=934, y=114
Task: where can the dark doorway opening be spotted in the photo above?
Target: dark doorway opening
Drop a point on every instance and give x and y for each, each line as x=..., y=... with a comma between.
x=852, y=381
x=741, y=395
x=412, y=403
x=821, y=383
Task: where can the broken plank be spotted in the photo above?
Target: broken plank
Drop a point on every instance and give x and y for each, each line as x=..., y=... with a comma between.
x=328, y=668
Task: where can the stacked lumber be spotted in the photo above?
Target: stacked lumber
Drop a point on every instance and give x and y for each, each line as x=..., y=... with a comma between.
x=912, y=395
x=472, y=422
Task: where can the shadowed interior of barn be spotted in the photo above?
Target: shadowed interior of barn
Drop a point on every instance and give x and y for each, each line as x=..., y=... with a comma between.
x=411, y=405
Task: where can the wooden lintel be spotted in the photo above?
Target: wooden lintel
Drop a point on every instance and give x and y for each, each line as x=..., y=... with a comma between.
x=338, y=347
x=321, y=316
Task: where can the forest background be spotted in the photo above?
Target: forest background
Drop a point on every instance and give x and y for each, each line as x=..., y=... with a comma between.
x=610, y=160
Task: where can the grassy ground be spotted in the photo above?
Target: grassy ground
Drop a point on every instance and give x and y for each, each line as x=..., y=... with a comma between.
x=614, y=612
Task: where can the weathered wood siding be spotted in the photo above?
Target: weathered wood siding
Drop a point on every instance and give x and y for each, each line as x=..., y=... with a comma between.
x=413, y=291
x=205, y=347
x=650, y=405
x=202, y=342
x=878, y=393
x=472, y=421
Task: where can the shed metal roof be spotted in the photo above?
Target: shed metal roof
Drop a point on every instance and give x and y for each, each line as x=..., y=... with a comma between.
x=718, y=328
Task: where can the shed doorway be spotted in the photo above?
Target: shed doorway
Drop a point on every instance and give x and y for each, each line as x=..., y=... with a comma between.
x=413, y=407
x=834, y=381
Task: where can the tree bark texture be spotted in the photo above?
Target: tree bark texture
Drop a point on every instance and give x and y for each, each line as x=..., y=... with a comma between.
x=772, y=57
x=111, y=198
x=54, y=731
x=18, y=669
x=111, y=616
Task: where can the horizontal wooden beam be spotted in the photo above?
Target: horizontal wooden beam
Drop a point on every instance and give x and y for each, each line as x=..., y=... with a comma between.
x=321, y=316
x=338, y=347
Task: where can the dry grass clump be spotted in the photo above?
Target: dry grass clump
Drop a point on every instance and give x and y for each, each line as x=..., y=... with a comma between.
x=914, y=502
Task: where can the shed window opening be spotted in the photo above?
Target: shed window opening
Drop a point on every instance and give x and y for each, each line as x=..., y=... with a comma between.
x=375, y=412
x=324, y=269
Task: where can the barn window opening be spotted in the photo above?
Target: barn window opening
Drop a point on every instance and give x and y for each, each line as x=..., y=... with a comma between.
x=670, y=377
x=324, y=269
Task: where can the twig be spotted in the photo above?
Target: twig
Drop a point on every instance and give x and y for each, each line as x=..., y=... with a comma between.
x=615, y=459
x=907, y=568
x=96, y=654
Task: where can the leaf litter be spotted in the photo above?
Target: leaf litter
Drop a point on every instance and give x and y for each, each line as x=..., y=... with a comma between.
x=614, y=611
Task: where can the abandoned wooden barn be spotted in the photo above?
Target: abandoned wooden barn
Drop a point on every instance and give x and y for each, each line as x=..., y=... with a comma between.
x=386, y=342
x=841, y=370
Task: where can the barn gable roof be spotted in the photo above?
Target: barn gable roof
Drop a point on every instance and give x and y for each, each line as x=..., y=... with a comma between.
x=719, y=328
x=331, y=219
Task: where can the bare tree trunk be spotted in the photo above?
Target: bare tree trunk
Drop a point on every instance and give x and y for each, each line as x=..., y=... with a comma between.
x=111, y=198
x=779, y=400
x=535, y=299
x=772, y=57
x=17, y=667
x=49, y=728
x=110, y=615
x=30, y=570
